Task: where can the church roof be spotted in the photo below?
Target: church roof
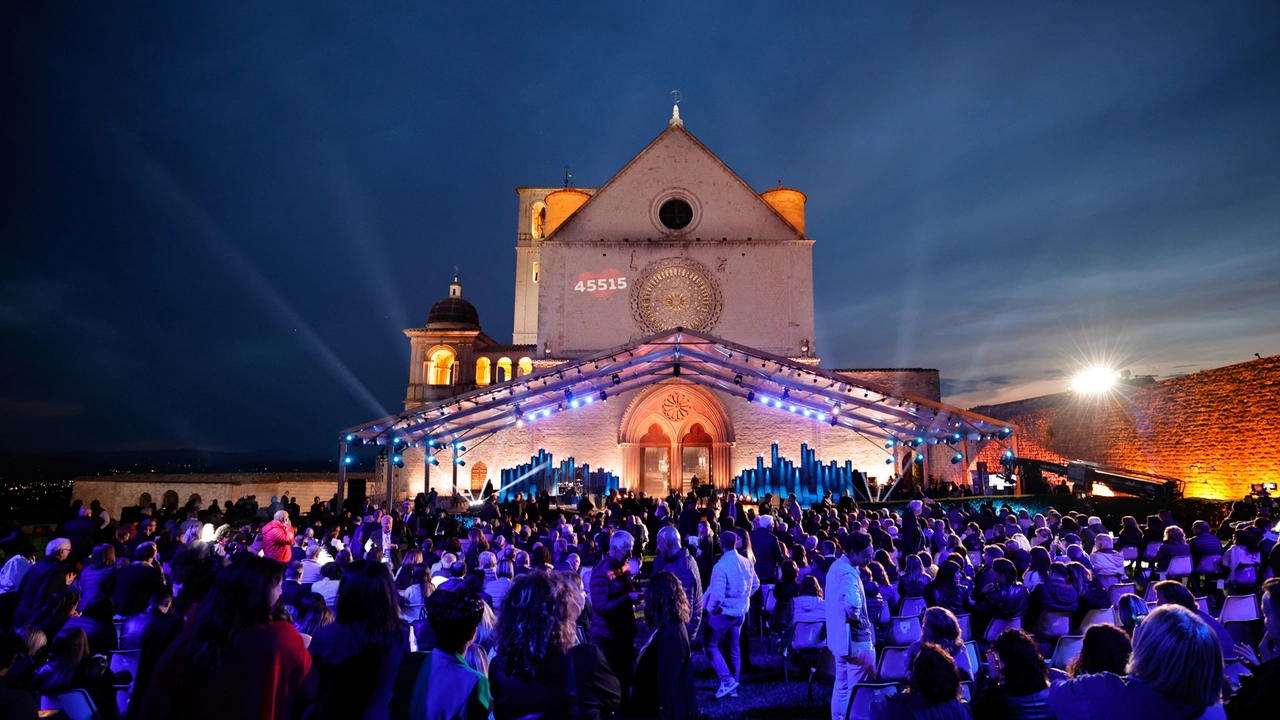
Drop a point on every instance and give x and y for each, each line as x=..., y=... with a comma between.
x=775, y=383
x=648, y=162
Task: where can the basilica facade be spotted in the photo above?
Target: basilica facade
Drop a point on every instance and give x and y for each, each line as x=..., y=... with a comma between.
x=679, y=259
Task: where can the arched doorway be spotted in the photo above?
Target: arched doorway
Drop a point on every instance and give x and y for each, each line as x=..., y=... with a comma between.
x=684, y=423
x=479, y=475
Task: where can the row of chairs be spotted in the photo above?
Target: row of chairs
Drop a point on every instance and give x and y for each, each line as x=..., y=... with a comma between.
x=78, y=705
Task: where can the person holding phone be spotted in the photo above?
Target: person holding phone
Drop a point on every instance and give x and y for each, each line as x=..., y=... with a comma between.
x=613, y=600
x=850, y=634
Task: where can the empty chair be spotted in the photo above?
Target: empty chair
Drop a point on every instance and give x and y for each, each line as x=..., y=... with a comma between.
x=805, y=642
x=968, y=660
x=1150, y=595
x=1129, y=553
x=966, y=630
x=1098, y=617
x=1115, y=591
x=966, y=689
x=904, y=630
x=76, y=704
x=1239, y=607
x=1149, y=554
x=998, y=626
x=1066, y=649
x=1203, y=604
x=912, y=606
x=864, y=694
x=1108, y=580
x=1179, y=567
x=1052, y=625
x=125, y=660
x=1248, y=632
x=895, y=664
x=412, y=613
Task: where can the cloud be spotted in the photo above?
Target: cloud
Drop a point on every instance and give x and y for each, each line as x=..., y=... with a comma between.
x=952, y=386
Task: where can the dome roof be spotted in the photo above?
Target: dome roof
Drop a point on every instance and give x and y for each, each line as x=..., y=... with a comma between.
x=453, y=310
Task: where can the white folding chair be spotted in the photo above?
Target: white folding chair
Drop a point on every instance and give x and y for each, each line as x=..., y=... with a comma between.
x=864, y=695
x=1239, y=607
x=1066, y=649
x=76, y=704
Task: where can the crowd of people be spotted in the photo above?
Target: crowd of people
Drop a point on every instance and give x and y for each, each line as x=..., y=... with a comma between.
x=523, y=611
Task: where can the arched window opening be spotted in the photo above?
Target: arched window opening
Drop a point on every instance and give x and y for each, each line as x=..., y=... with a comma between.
x=440, y=367
x=504, y=369
x=483, y=376
x=538, y=223
x=526, y=366
x=535, y=272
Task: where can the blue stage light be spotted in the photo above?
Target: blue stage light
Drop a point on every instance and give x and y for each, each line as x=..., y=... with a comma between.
x=888, y=461
x=957, y=458
x=1008, y=454
x=793, y=408
x=573, y=403
x=751, y=396
x=431, y=442
x=432, y=459
x=807, y=413
x=348, y=460
x=890, y=443
x=1006, y=431
x=919, y=459
x=397, y=460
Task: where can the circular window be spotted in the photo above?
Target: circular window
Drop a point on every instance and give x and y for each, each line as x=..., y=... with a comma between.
x=675, y=214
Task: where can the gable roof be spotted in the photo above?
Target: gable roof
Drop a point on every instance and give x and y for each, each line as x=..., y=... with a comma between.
x=772, y=381
x=772, y=225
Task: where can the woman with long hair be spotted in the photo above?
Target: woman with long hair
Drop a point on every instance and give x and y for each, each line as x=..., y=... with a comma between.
x=98, y=577
x=1174, y=672
x=939, y=627
x=945, y=591
x=1130, y=534
x=234, y=651
x=809, y=605
x=540, y=669
x=359, y=655
x=1038, y=573
x=72, y=666
x=664, y=685
x=914, y=579
x=886, y=562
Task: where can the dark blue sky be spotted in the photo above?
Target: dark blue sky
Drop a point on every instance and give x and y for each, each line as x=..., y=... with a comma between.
x=218, y=218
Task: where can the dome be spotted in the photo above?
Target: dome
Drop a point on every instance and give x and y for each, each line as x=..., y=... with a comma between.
x=453, y=310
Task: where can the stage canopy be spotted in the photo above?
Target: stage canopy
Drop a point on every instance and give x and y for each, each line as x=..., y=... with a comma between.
x=789, y=385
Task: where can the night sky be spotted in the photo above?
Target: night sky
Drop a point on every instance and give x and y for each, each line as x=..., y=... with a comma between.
x=218, y=218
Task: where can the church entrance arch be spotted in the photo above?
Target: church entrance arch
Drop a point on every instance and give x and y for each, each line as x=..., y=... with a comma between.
x=675, y=434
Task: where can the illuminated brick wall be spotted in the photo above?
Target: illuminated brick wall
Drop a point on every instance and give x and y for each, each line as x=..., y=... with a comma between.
x=1217, y=430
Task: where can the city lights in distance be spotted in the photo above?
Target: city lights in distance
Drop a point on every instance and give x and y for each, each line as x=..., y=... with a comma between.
x=1094, y=381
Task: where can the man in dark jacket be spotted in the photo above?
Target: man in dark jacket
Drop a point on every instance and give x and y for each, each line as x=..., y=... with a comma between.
x=80, y=531
x=45, y=578
x=1003, y=598
x=911, y=535
x=675, y=559
x=690, y=516
x=138, y=581
x=613, y=601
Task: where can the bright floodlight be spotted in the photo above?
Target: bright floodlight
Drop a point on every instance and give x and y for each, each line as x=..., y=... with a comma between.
x=1093, y=381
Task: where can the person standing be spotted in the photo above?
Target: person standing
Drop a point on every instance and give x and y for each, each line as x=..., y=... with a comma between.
x=675, y=559
x=390, y=541
x=46, y=577
x=277, y=538
x=613, y=601
x=733, y=582
x=850, y=634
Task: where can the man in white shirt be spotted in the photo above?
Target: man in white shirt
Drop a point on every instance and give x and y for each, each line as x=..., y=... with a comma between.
x=850, y=634
x=728, y=596
x=311, y=566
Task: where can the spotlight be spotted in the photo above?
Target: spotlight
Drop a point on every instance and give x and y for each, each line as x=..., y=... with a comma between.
x=834, y=420
x=354, y=440
x=786, y=393
x=432, y=459
x=888, y=461
x=1093, y=381
x=822, y=417
x=348, y=459
x=588, y=400
x=806, y=412
x=397, y=441
x=1008, y=455
x=546, y=413
x=431, y=442
x=675, y=370
x=1006, y=431
x=459, y=447
x=573, y=403
x=891, y=442
x=751, y=396
x=835, y=410
x=603, y=396
x=568, y=393
x=956, y=437
x=519, y=423
x=793, y=408
x=919, y=459
x=957, y=458
x=737, y=379
x=398, y=460
x=777, y=403
x=461, y=462
x=616, y=380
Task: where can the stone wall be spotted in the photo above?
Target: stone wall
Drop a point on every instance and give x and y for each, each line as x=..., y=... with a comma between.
x=1216, y=429
x=119, y=491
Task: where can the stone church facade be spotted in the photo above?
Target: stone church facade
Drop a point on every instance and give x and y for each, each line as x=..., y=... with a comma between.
x=675, y=239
